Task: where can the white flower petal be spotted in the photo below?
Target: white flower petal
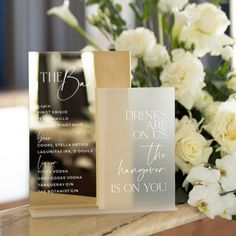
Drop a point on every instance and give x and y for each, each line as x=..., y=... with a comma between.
x=64, y=13
x=207, y=200
x=191, y=148
x=227, y=168
x=186, y=74
x=203, y=102
x=227, y=53
x=138, y=41
x=230, y=206
x=203, y=175
x=169, y=5
x=231, y=84
x=197, y=194
x=222, y=124
x=156, y=56
x=203, y=27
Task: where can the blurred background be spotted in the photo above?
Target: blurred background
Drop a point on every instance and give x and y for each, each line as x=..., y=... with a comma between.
x=25, y=26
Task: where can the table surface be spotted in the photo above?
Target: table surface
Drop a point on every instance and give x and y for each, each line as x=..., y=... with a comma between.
x=19, y=220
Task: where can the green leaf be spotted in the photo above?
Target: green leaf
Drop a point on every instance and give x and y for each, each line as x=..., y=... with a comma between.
x=143, y=76
x=149, y=7
x=118, y=7
x=165, y=24
x=218, y=2
x=168, y=22
x=144, y=10
x=91, y=2
x=172, y=22
x=180, y=110
x=196, y=114
x=136, y=11
x=216, y=80
x=109, y=19
x=223, y=70
x=181, y=196
x=234, y=217
x=214, y=155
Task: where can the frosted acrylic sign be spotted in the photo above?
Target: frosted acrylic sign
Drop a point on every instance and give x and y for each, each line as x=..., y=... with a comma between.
x=136, y=149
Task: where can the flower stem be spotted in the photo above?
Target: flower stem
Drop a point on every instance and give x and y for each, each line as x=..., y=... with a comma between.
x=87, y=37
x=160, y=27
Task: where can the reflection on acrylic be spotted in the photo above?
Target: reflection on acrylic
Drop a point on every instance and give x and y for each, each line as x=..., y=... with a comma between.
x=62, y=130
x=63, y=170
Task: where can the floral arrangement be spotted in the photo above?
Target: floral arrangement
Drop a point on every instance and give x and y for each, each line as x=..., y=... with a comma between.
x=168, y=50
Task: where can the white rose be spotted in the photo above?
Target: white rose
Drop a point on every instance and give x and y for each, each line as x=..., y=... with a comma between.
x=203, y=102
x=210, y=111
x=156, y=56
x=138, y=41
x=204, y=28
x=191, y=148
x=204, y=176
x=169, y=5
x=222, y=126
x=64, y=13
x=186, y=126
x=227, y=168
x=227, y=53
x=230, y=206
x=207, y=200
x=231, y=83
x=186, y=74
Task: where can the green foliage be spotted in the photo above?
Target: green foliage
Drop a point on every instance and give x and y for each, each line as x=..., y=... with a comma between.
x=181, y=195
x=215, y=82
x=91, y=2
x=144, y=9
x=215, y=154
x=109, y=19
x=168, y=22
x=234, y=217
x=196, y=114
x=146, y=77
x=137, y=11
x=180, y=110
x=218, y=2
